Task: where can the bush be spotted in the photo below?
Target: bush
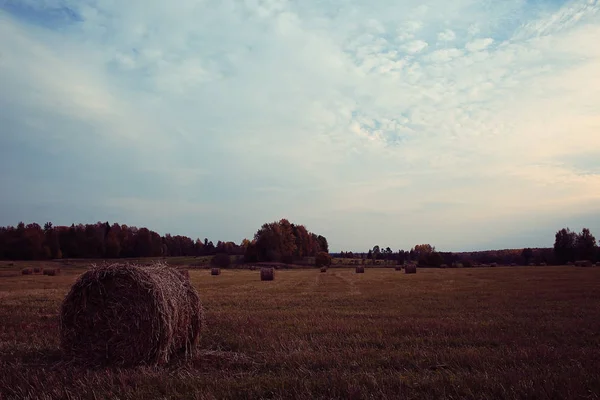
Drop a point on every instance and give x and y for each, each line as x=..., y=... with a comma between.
x=322, y=259
x=221, y=260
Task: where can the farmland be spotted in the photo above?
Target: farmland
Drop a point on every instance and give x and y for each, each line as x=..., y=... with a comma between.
x=521, y=332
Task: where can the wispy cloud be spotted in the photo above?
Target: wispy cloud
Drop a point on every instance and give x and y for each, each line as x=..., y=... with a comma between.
x=390, y=123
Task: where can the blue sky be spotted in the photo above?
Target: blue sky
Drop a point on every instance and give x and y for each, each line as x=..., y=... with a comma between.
x=465, y=124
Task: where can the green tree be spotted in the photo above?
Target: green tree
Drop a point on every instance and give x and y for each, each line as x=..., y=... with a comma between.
x=585, y=245
x=565, y=245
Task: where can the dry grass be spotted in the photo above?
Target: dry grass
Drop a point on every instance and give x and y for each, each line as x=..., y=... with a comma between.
x=127, y=315
x=497, y=333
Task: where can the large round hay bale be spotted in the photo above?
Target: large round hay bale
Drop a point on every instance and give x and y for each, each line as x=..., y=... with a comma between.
x=215, y=271
x=410, y=269
x=398, y=267
x=38, y=270
x=323, y=269
x=51, y=271
x=267, y=274
x=125, y=315
x=27, y=271
x=360, y=270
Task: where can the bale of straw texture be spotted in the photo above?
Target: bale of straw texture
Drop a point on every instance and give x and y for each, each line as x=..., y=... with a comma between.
x=27, y=271
x=267, y=274
x=126, y=315
x=51, y=271
x=215, y=271
x=185, y=273
x=410, y=269
x=360, y=270
x=323, y=269
x=38, y=270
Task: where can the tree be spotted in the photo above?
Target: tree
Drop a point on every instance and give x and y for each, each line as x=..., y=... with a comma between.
x=527, y=255
x=585, y=245
x=564, y=245
x=322, y=259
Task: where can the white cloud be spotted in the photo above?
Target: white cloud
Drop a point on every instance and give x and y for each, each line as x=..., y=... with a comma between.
x=343, y=118
x=415, y=46
x=479, y=44
x=446, y=35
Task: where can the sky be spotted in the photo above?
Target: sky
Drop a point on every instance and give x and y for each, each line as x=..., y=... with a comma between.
x=466, y=124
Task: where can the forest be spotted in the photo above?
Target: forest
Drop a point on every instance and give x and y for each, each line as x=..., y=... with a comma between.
x=278, y=241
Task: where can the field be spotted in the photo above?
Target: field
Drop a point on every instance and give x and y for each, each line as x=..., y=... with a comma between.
x=495, y=333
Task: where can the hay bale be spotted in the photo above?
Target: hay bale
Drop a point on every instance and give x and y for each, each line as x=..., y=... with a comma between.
x=126, y=315
x=51, y=271
x=583, y=263
x=185, y=273
x=444, y=266
x=360, y=270
x=27, y=271
x=570, y=263
x=493, y=265
x=38, y=270
x=267, y=274
x=215, y=271
x=410, y=269
x=398, y=267
x=323, y=269
x=252, y=268
x=513, y=264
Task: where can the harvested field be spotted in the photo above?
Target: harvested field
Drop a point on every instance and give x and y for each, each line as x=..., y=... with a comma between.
x=496, y=333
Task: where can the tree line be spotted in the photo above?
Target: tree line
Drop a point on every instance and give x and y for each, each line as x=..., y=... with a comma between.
x=276, y=241
x=569, y=246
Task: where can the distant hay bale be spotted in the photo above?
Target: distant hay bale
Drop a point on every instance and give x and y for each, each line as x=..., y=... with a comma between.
x=513, y=264
x=360, y=270
x=493, y=264
x=323, y=269
x=215, y=271
x=410, y=269
x=531, y=264
x=252, y=268
x=570, y=263
x=27, y=271
x=126, y=315
x=267, y=274
x=398, y=267
x=51, y=271
x=38, y=270
x=444, y=266
x=583, y=263
x=543, y=264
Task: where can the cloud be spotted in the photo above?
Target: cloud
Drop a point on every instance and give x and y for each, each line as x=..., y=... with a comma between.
x=446, y=35
x=415, y=46
x=479, y=44
x=392, y=123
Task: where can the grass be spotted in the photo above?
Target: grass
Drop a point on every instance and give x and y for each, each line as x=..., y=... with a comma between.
x=501, y=333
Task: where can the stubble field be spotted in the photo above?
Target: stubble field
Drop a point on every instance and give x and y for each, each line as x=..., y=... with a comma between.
x=495, y=333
